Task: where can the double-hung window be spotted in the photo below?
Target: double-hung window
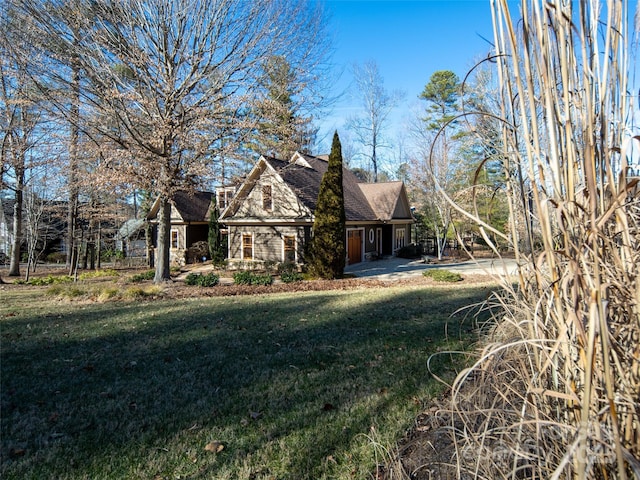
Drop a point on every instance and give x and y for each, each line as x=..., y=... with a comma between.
x=289, y=249
x=247, y=246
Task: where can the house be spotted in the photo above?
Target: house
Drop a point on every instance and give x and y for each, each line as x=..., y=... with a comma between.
x=271, y=216
x=6, y=228
x=190, y=212
x=130, y=238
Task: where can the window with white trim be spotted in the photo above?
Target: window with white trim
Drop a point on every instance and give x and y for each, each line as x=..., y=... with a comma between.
x=247, y=246
x=175, y=239
x=289, y=248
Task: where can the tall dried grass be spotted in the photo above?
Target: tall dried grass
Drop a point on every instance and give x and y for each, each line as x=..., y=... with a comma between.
x=555, y=393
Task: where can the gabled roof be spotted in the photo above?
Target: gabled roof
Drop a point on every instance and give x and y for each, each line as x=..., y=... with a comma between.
x=303, y=175
x=387, y=199
x=191, y=206
x=130, y=227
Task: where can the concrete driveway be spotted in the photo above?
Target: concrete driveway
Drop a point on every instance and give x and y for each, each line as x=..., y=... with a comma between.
x=394, y=268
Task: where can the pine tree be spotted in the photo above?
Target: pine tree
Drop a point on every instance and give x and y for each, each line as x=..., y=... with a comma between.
x=328, y=246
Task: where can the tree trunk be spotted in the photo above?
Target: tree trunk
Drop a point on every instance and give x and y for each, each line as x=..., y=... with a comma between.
x=148, y=232
x=72, y=176
x=164, y=241
x=14, y=266
x=99, y=247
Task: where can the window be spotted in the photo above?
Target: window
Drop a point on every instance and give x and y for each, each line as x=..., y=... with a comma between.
x=267, y=199
x=174, y=239
x=289, y=249
x=247, y=246
x=222, y=201
x=400, y=238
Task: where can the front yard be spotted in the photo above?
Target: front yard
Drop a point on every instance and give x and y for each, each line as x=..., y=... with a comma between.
x=302, y=385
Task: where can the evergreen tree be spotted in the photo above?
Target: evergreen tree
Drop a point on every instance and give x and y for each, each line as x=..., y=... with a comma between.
x=328, y=247
x=216, y=248
x=281, y=127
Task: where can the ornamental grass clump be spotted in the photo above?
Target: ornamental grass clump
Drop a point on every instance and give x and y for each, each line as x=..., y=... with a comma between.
x=555, y=392
x=440, y=275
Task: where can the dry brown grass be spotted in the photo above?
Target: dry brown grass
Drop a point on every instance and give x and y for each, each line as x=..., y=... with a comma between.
x=555, y=390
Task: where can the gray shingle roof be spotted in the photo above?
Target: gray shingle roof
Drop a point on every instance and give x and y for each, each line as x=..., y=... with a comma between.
x=305, y=182
x=193, y=206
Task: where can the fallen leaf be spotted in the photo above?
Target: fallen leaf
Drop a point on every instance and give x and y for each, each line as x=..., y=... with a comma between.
x=214, y=447
x=17, y=452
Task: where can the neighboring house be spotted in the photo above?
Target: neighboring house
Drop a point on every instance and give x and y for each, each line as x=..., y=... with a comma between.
x=6, y=228
x=271, y=216
x=189, y=223
x=130, y=238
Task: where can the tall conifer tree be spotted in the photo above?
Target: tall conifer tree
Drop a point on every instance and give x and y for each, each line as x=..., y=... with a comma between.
x=329, y=233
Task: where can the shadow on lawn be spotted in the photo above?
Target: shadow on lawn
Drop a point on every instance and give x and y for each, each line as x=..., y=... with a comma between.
x=287, y=385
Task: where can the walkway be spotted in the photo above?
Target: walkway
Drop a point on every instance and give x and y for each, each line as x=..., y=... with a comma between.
x=395, y=268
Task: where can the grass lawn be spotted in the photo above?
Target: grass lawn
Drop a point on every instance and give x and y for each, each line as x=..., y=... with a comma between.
x=306, y=385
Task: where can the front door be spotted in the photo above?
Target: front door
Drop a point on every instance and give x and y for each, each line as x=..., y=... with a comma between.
x=354, y=246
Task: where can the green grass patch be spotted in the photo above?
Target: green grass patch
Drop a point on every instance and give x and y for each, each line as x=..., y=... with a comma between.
x=442, y=275
x=288, y=384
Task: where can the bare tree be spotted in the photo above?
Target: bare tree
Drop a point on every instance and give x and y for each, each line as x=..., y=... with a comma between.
x=169, y=80
x=377, y=104
x=20, y=119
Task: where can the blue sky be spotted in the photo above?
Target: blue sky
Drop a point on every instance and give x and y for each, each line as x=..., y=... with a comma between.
x=409, y=41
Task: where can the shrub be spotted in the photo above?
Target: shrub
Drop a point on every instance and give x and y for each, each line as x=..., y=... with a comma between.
x=198, y=251
x=56, y=257
x=250, y=278
x=49, y=280
x=286, y=267
x=111, y=254
x=440, y=275
x=142, y=276
x=209, y=280
x=410, y=251
x=290, y=277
